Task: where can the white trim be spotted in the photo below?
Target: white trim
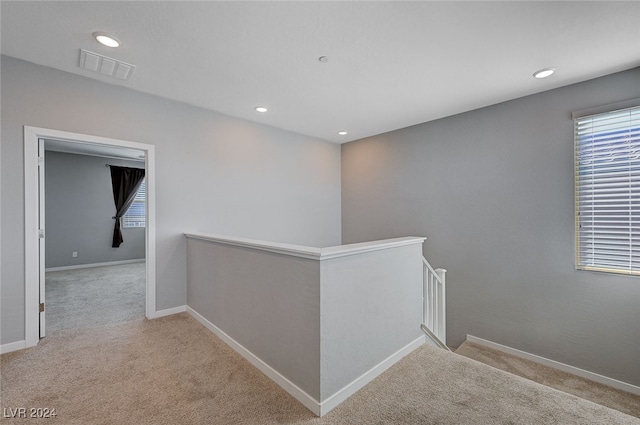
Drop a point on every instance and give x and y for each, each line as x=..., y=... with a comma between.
x=297, y=393
x=308, y=401
x=308, y=252
x=31, y=272
x=91, y=265
x=631, y=103
x=368, y=376
x=557, y=365
x=169, y=312
x=13, y=346
x=150, y=229
x=31, y=136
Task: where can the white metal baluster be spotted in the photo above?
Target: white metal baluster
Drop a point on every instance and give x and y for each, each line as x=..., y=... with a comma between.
x=425, y=295
x=431, y=306
x=434, y=303
x=442, y=329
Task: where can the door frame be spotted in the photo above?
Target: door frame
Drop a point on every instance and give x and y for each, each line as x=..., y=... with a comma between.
x=41, y=241
x=32, y=207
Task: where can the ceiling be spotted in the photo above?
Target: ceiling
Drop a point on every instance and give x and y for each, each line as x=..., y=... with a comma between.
x=390, y=64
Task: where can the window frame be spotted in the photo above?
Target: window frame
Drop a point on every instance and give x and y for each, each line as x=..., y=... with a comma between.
x=597, y=262
x=141, y=198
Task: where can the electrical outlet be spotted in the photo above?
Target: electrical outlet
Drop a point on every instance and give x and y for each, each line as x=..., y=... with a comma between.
x=74, y=254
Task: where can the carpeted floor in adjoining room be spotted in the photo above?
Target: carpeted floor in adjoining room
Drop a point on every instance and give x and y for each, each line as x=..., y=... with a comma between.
x=95, y=296
x=172, y=370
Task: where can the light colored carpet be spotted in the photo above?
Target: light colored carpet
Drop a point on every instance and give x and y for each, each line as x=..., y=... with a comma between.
x=96, y=296
x=172, y=370
x=563, y=381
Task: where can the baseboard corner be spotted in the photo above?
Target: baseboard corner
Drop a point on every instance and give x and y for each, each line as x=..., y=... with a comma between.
x=168, y=312
x=350, y=389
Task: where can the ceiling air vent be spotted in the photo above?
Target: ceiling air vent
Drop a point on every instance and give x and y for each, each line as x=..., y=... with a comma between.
x=105, y=66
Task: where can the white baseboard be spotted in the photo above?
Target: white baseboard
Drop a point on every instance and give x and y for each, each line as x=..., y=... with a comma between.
x=13, y=346
x=308, y=401
x=299, y=394
x=557, y=365
x=87, y=266
x=169, y=312
x=368, y=376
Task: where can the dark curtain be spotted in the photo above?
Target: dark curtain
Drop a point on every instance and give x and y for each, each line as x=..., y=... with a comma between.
x=126, y=182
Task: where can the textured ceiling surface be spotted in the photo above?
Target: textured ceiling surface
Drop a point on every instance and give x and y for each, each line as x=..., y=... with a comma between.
x=390, y=64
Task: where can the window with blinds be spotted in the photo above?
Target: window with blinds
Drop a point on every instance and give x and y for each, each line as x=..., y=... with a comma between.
x=136, y=215
x=607, y=191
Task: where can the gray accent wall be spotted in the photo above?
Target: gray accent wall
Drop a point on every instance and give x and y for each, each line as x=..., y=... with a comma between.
x=79, y=208
x=492, y=189
x=214, y=173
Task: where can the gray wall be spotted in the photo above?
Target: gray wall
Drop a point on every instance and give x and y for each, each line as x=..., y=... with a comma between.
x=79, y=206
x=214, y=173
x=269, y=303
x=492, y=189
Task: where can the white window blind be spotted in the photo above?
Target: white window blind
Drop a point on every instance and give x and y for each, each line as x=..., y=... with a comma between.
x=136, y=215
x=607, y=191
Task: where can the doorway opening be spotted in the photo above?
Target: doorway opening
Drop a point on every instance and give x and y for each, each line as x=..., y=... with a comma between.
x=88, y=282
x=35, y=233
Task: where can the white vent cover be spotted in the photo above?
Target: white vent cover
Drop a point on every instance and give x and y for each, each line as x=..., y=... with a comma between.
x=104, y=65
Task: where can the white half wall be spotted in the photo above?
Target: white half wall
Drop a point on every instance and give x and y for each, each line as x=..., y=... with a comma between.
x=320, y=322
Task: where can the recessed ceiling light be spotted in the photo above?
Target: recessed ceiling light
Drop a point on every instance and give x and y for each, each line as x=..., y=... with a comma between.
x=261, y=109
x=342, y=133
x=323, y=59
x=544, y=73
x=106, y=39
